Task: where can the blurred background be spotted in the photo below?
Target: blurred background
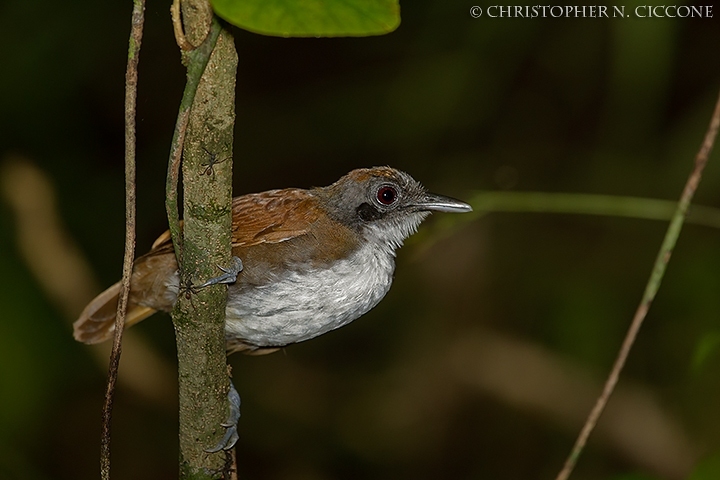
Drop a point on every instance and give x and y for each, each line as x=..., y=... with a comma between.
x=487, y=354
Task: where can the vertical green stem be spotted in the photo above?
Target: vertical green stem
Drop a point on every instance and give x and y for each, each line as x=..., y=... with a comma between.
x=205, y=124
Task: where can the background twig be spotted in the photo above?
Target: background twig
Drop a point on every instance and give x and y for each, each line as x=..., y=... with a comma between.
x=590, y=204
x=130, y=107
x=651, y=289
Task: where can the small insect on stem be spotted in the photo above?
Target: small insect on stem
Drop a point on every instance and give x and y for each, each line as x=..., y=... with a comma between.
x=211, y=162
x=187, y=288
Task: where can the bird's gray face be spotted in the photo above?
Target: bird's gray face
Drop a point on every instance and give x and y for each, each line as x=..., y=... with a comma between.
x=388, y=205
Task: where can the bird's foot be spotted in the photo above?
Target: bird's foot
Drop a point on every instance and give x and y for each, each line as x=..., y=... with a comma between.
x=231, y=436
x=229, y=276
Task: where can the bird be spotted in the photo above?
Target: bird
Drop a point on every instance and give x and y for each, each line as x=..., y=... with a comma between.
x=308, y=261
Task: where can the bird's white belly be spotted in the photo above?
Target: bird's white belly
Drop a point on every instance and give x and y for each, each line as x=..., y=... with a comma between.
x=304, y=305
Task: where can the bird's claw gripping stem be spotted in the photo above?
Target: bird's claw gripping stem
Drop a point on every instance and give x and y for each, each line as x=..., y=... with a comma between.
x=231, y=436
x=229, y=276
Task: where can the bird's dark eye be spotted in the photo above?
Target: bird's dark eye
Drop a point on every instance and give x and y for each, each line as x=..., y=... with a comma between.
x=386, y=195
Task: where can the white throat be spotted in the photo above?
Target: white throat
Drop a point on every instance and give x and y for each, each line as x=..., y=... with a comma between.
x=393, y=232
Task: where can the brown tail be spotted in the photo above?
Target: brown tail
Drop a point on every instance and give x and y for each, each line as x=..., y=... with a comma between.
x=97, y=322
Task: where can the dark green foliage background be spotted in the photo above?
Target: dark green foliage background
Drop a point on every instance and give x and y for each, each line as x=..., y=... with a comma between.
x=615, y=106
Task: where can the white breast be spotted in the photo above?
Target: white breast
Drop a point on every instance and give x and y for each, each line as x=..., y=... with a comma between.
x=302, y=306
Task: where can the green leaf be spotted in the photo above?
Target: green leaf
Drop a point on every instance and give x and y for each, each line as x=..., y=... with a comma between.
x=312, y=18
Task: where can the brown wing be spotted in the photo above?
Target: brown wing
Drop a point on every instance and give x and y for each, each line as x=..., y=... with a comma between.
x=268, y=217
x=272, y=217
x=285, y=230
x=276, y=231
